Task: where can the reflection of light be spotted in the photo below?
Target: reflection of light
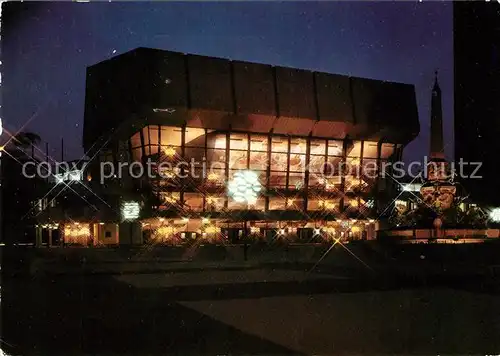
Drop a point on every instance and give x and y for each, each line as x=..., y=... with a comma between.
x=74, y=233
x=212, y=176
x=168, y=198
x=205, y=220
x=75, y=175
x=212, y=229
x=169, y=151
x=371, y=220
x=281, y=231
x=185, y=220
x=220, y=143
x=164, y=232
x=495, y=214
x=130, y=210
x=254, y=230
x=289, y=202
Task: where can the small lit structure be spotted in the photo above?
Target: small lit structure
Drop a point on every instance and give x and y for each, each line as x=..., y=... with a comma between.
x=495, y=215
x=130, y=210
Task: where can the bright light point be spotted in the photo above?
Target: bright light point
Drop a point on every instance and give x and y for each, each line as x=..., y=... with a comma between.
x=114, y=51
x=205, y=220
x=281, y=231
x=317, y=232
x=130, y=210
x=495, y=215
x=244, y=187
x=185, y=219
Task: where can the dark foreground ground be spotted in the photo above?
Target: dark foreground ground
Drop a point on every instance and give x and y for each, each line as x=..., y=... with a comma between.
x=193, y=308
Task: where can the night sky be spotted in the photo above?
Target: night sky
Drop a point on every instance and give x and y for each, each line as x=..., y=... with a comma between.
x=46, y=48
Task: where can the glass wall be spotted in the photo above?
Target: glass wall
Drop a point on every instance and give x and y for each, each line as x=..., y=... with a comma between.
x=195, y=164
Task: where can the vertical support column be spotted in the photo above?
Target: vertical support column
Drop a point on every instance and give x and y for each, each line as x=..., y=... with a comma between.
x=343, y=173
x=268, y=169
x=306, y=173
x=38, y=233
x=360, y=175
x=248, y=151
x=287, y=181
x=228, y=147
x=377, y=181
x=183, y=154
x=204, y=171
x=49, y=238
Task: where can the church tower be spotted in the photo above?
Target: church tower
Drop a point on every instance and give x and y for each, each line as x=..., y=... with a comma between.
x=437, y=147
x=438, y=190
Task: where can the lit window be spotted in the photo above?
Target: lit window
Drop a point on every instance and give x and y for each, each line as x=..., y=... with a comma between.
x=135, y=140
x=279, y=144
x=171, y=136
x=370, y=149
x=195, y=137
x=216, y=140
x=318, y=147
x=298, y=145
x=277, y=203
x=354, y=149
x=258, y=143
x=335, y=148
x=238, y=142
x=387, y=150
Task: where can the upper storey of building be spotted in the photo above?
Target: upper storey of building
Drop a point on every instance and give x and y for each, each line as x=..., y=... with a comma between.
x=149, y=86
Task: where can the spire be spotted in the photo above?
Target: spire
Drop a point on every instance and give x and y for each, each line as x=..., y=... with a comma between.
x=437, y=147
x=436, y=88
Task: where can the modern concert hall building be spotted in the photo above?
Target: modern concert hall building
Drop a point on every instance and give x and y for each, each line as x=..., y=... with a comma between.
x=315, y=141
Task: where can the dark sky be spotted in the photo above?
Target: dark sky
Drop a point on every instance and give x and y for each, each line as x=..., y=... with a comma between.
x=47, y=46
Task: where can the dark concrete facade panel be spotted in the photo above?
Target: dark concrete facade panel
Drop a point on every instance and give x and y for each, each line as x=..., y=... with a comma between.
x=210, y=83
x=254, y=88
x=218, y=93
x=166, y=77
x=334, y=97
x=366, y=95
x=295, y=93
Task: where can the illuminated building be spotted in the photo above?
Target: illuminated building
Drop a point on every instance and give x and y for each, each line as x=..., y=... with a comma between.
x=292, y=128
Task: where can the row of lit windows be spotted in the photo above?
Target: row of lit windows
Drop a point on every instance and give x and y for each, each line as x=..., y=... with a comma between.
x=162, y=138
x=224, y=154
x=196, y=202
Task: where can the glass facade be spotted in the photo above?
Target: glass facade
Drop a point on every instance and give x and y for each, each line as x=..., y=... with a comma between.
x=297, y=173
